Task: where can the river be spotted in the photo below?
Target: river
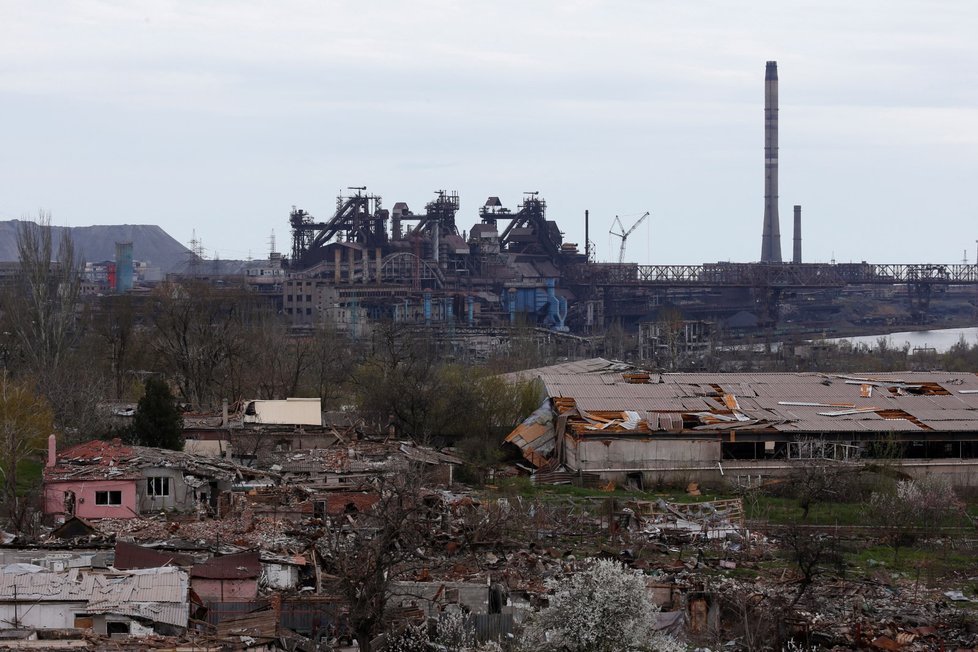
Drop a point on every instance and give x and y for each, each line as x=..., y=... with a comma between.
x=941, y=340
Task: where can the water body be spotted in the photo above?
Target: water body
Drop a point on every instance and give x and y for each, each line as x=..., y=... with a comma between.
x=941, y=340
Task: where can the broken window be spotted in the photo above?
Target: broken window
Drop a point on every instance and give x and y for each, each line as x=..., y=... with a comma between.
x=158, y=486
x=115, y=627
x=108, y=497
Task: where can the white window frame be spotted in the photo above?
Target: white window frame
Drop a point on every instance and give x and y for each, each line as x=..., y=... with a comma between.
x=158, y=486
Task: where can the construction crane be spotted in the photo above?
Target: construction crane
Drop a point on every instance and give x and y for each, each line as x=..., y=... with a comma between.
x=623, y=234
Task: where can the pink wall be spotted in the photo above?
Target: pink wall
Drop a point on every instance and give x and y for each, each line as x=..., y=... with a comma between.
x=85, y=507
x=210, y=589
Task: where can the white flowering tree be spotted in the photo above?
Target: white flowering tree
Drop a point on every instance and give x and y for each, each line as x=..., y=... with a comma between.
x=605, y=608
x=914, y=506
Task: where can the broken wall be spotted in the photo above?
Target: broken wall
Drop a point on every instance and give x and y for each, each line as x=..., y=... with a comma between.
x=42, y=615
x=177, y=496
x=611, y=457
x=85, y=500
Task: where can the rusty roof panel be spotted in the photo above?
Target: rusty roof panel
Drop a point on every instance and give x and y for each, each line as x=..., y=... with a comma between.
x=240, y=565
x=129, y=556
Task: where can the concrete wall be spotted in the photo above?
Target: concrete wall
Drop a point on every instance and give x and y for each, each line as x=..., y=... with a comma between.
x=85, y=507
x=43, y=615
x=281, y=576
x=614, y=455
x=180, y=498
x=962, y=473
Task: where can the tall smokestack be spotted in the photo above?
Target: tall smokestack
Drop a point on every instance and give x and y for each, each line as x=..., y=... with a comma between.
x=796, y=254
x=771, y=237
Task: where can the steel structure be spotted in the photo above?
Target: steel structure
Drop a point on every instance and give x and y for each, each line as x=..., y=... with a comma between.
x=786, y=275
x=358, y=218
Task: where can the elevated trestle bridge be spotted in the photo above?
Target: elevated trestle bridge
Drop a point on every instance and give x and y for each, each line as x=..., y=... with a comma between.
x=769, y=280
x=783, y=275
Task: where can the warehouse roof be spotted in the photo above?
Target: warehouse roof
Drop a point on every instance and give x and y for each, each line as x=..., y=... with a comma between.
x=602, y=401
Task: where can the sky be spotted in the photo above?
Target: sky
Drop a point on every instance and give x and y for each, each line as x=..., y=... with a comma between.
x=212, y=118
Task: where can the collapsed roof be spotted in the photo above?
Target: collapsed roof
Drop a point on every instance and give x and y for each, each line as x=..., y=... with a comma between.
x=588, y=399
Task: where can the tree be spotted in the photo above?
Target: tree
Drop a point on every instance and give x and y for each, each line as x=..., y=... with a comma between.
x=813, y=555
x=605, y=608
x=46, y=295
x=912, y=506
x=199, y=337
x=115, y=321
x=382, y=545
x=25, y=423
x=158, y=422
x=401, y=382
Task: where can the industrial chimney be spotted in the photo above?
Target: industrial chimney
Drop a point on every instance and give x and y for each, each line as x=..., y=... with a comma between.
x=771, y=237
x=796, y=254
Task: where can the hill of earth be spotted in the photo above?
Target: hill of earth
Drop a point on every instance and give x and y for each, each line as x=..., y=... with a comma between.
x=150, y=243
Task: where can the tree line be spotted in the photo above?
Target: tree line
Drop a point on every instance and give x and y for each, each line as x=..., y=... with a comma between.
x=77, y=355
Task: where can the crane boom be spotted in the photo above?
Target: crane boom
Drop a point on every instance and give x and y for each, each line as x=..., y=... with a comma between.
x=624, y=234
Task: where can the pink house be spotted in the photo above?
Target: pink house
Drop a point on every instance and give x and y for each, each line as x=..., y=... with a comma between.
x=109, y=479
x=94, y=485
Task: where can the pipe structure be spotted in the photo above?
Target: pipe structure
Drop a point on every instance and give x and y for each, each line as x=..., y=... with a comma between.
x=771, y=236
x=796, y=253
x=587, y=238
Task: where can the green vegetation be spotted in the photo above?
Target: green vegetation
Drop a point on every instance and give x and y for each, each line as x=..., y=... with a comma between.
x=158, y=422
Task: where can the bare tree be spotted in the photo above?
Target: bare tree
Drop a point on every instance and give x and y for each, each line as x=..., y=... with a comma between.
x=332, y=360
x=47, y=294
x=116, y=322
x=377, y=548
x=199, y=339
x=275, y=362
x=813, y=555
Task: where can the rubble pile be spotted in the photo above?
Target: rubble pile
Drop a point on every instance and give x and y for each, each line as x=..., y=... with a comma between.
x=267, y=562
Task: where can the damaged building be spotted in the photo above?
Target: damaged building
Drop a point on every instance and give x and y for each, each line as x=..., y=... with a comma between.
x=109, y=479
x=627, y=425
x=135, y=602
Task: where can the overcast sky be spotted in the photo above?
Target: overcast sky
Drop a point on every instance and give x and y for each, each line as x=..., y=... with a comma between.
x=216, y=117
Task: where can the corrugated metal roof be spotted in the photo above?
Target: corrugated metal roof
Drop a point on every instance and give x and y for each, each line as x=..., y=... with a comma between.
x=760, y=395
x=160, y=594
x=129, y=556
x=536, y=436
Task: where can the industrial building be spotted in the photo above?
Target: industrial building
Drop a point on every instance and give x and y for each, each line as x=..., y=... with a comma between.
x=367, y=263
x=624, y=424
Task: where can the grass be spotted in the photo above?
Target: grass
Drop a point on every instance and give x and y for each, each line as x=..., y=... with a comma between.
x=526, y=488
x=787, y=511
x=777, y=510
x=930, y=562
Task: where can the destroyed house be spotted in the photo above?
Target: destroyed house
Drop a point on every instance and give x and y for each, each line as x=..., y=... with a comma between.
x=231, y=577
x=109, y=479
x=632, y=425
x=248, y=431
x=138, y=602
